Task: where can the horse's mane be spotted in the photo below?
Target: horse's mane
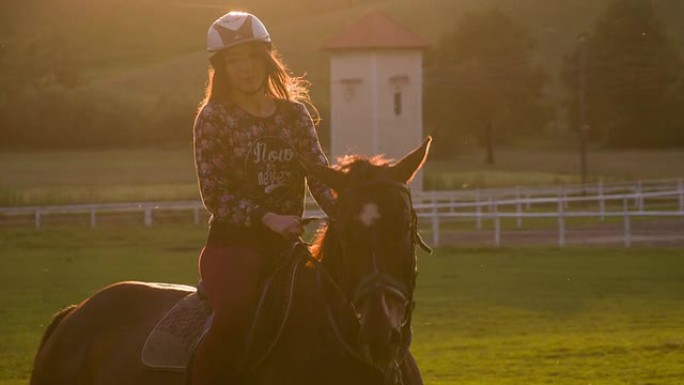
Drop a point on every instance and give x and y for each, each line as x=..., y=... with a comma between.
x=359, y=169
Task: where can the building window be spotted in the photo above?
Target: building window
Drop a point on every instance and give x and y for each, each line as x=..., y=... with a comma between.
x=397, y=103
x=349, y=88
x=399, y=82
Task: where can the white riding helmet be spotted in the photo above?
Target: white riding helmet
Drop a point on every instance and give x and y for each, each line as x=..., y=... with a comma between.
x=235, y=28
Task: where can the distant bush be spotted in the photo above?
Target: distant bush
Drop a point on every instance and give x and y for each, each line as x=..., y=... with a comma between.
x=59, y=117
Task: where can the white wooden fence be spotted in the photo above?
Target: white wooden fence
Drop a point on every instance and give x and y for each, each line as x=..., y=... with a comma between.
x=626, y=200
x=653, y=199
x=145, y=208
x=439, y=213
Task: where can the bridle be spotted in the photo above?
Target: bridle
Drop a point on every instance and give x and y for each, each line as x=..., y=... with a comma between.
x=377, y=281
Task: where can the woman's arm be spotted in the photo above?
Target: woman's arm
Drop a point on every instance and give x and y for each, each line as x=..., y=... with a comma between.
x=215, y=173
x=310, y=149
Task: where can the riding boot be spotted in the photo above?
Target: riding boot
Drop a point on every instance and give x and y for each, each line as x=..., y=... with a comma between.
x=216, y=358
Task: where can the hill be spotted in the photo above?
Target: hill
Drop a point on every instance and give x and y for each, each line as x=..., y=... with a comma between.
x=150, y=52
x=299, y=36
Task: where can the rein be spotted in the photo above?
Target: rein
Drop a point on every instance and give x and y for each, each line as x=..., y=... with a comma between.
x=299, y=251
x=394, y=377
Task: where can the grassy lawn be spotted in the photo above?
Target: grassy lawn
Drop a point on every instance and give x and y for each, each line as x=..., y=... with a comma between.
x=484, y=316
x=67, y=177
x=538, y=316
x=542, y=164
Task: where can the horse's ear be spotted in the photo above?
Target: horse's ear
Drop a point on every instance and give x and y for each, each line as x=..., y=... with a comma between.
x=336, y=180
x=404, y=170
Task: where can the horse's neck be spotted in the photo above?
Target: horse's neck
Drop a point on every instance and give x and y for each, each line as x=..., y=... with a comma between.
x=339, y=313
x=311, y=336
x=319, y=306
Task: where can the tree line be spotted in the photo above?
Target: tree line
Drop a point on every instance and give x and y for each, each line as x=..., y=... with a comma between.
x=623, y=83
x=49, y=48
x=622, y=80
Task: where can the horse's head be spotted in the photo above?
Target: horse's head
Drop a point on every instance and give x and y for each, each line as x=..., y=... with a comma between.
x=370, y=249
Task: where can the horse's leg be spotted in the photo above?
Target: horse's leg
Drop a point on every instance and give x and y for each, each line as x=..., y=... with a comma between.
x=410, y=372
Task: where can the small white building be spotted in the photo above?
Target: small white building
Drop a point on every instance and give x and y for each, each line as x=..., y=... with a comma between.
x=376, y=87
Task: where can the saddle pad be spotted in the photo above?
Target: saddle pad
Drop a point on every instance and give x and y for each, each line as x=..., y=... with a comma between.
x=172, y=342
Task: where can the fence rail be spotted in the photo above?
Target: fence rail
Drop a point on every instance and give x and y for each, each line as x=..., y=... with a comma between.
x=146, y=208
x=653, y=199
x=628, y=207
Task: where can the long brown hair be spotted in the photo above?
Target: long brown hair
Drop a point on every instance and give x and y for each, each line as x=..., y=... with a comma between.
x=281, y=83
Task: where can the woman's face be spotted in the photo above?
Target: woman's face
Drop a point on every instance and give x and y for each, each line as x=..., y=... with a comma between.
x=245, y=66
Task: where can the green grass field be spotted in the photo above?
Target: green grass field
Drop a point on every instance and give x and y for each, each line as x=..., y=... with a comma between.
x=68, y=177
x=484, y=316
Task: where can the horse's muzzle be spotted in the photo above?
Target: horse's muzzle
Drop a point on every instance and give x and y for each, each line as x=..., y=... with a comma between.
x=381, y=317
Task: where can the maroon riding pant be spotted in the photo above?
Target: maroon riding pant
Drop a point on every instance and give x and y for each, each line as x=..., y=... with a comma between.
x=231, y=276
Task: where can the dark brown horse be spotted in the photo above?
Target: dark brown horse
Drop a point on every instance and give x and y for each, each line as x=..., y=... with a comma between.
x=350, y=316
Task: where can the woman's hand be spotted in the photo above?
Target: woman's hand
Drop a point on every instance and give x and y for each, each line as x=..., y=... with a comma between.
x=289, y=226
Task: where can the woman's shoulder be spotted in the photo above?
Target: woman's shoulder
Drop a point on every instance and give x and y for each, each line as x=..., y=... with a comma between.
x=292, y=106
x=218, y=112
x=211, y=108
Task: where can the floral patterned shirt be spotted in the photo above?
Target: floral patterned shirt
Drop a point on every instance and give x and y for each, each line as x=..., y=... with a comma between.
x=247, y=165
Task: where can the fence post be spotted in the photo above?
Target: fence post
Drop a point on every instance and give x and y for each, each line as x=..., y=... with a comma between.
x=435, y=225
x=562, y=194
x=497, y=224
x=681, y=195
x=148, y=216
x=639, y=197
x=628, y=227
x=37, y=217
x=478, y=210
x=433, y=201
x=93, y=218
x=602, y=201
x=529, y=202
x=518, y=206
x=561, y=224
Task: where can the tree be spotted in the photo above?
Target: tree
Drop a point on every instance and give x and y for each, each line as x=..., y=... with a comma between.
x=632, y=78
x=481, y=83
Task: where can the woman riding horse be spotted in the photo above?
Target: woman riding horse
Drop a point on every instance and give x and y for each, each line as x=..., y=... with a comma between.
x=256, y=148
x=249, y=136
x=350, y=318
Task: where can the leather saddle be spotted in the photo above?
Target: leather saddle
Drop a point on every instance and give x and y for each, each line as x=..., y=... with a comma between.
x=172, y=342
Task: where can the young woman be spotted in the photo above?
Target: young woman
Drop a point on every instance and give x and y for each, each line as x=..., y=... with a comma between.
x=248, y=135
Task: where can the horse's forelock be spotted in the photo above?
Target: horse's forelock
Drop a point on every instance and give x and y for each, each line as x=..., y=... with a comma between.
x=361, y=169
x=350, y=163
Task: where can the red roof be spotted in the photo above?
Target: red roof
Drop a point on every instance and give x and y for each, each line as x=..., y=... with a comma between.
x=375, y=30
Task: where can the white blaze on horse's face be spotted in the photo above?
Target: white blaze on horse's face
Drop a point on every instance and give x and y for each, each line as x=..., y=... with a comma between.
x=369, y=214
